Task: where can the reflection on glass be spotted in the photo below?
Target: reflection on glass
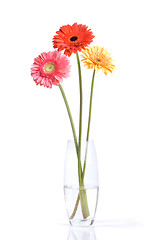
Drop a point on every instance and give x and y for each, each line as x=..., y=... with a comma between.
x=86, y=233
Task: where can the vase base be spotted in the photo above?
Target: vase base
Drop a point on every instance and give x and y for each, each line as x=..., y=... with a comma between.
x=81, y=223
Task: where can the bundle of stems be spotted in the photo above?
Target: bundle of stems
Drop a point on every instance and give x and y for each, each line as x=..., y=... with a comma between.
x=82, y=196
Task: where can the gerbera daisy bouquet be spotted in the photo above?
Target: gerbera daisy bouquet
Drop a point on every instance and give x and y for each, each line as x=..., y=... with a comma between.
x=50, y=68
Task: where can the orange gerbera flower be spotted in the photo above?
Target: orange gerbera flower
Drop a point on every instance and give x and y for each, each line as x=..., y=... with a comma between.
x=97, y=58
x=72, y=38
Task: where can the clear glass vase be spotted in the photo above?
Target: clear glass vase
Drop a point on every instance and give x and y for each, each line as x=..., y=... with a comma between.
x=81, y=186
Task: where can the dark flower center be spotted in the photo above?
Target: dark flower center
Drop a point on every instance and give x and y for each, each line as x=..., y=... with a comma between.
x=73, y=39
x=97, y=60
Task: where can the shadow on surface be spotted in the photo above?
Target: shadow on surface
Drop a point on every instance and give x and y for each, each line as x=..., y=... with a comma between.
x=81, y=233
x=118, y=223
x=115, y=223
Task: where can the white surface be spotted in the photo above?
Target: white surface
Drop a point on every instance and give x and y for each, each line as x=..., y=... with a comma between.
x=126, y=120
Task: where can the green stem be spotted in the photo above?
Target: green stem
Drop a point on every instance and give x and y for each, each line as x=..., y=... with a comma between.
x=82, y=191
x=89, y=122
x=70, y=117
x=81, y=103
x=90, y=106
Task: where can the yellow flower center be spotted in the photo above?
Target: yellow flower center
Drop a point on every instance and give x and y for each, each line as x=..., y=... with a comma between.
x=49, y=67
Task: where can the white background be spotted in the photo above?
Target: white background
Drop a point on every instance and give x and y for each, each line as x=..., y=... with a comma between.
x=126, y=119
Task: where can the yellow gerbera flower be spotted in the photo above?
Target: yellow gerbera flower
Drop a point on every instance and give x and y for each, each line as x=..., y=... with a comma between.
x=97, y=58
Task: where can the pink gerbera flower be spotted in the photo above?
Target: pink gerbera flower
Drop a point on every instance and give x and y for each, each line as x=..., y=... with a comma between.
x=50, y=68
